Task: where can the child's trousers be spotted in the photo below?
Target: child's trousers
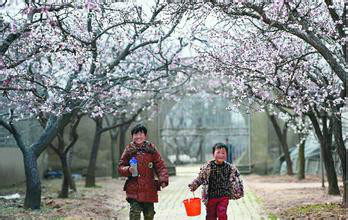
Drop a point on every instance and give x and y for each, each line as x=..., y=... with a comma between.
x=217, y=208
x=137, y=207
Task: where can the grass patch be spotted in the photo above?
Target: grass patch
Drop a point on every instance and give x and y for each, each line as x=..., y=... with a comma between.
x=303, y=210
x=94, y=187
x=250, y=195
x=315, y=211
x=12, y=211
x=272, y=216
x=258, y=200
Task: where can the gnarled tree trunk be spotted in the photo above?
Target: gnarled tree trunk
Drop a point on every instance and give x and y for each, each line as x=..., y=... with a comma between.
x=282, y=137
x=343, y=155
x=68, y=182
x=301, y=161
x=114, y=154
x=324, y=140
x=63, y=151
x=33, y=183
x=90, y=177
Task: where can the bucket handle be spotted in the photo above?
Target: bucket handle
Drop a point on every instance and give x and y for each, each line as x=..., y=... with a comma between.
x=194, y=196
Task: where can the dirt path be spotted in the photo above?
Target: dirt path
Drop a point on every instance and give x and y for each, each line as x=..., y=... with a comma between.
x=104, y=201
x=279, y=193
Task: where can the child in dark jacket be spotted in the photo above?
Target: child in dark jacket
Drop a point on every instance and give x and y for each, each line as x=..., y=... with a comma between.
x=220, y=181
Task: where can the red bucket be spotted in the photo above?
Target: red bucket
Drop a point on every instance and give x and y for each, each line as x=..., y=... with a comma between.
x=193, y=206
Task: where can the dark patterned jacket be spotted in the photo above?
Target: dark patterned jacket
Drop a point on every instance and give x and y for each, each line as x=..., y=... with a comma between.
x=144, y=187
x=236, y=184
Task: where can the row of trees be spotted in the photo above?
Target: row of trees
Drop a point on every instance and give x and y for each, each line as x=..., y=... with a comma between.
x=287, y=57
x=62, y=61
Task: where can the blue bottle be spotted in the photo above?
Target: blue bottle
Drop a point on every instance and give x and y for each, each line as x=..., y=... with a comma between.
x=134, y=164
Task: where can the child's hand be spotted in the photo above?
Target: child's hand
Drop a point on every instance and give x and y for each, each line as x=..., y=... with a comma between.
x=190, y=188
x=131, y=170
x=163, y=185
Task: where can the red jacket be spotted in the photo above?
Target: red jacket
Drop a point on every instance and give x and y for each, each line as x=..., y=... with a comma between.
x=144, y=187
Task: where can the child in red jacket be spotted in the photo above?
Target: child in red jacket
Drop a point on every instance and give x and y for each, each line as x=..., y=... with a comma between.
x=142, y=189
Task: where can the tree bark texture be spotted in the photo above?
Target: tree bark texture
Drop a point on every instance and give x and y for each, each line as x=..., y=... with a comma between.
x=301, y=161
x=90, y=177
x=282, y=137
x=33, y=183
x=323, y=136
x=343, y=155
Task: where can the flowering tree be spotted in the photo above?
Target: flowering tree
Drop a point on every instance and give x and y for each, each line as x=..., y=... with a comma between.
x=72, y=58
x=282, y=53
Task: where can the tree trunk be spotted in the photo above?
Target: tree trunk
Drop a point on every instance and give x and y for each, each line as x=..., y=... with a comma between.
x=342, y=153
x=72, y=183
x=202, y=150
x=122, y=142
x=345, y=47
x=70, y=156
x=327, y=155
x=67, y=179
x=69, y=151
x=123, y=132
x=282, y=137
x=301, y=161
x=63, y=156
x=115, y=156
x=33, y=183
x=323, y=136
x=69, y=162
x=64, y=193
x=330, y=170
x=90, y=178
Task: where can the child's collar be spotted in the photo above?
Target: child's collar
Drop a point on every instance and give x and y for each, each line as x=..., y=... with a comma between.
x=218, y=163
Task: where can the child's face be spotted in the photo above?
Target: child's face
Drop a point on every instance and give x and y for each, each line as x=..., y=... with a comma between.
x=139, y=138
x=220, y=155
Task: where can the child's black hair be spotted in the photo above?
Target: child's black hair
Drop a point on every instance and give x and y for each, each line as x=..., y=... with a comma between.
x=220, y=146
x=139, y=128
